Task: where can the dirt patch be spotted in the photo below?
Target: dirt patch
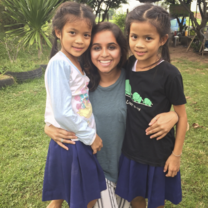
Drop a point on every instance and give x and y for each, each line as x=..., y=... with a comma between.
x=180, y=52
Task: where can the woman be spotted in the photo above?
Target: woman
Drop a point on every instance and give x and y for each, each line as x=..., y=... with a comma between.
x=107, y=54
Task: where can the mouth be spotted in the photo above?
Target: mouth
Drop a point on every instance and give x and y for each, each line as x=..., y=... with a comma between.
x=140, y=53
x=77, y=48
x=105, y=63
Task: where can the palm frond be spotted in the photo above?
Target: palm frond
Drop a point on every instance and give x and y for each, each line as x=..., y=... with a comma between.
x=32, y=15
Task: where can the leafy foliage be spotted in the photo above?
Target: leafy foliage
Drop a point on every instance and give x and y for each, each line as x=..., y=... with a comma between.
x=12, y=47
x=5, y=19
x=196, y=46
x=103, y=6
x=32, y=17
x=202, y=5
x=119, y=19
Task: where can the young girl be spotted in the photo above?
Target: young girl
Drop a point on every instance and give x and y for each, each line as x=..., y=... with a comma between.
x=73, y=175
x=149, y=168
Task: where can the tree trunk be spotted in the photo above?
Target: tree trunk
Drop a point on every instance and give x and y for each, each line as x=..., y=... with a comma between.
x=180, y=23
x=98, y=11
x=195, y=24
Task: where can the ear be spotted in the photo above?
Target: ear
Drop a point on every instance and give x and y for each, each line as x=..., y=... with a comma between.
x=164, y=39
x=58, y=33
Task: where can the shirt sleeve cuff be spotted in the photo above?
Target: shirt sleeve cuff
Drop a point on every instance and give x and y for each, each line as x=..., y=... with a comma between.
x=48, y=124
x=93, y=139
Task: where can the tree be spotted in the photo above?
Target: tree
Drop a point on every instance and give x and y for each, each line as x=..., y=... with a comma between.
x=112, y=4
x=103, y=6
x=204, y=15
x=32, y=17
x=177, y=11
x=203, y=9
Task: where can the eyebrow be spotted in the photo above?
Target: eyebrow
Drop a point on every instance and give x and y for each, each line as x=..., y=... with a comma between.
x=77, y=30
x=108, y=43
x=143, y=35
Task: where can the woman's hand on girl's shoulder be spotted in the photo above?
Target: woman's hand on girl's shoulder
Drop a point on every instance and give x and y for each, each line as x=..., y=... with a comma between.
x=161, y=124
x=60, y=136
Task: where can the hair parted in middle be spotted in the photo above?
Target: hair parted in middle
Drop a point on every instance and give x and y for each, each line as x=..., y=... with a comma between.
x=89, y=67
x=70, y=11
x=156, y=16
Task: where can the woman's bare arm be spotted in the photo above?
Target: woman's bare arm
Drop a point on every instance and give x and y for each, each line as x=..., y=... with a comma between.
x=161, y=124
x=60, y=136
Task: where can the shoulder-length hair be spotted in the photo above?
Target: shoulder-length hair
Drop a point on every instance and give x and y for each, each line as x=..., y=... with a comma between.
x=91, y=70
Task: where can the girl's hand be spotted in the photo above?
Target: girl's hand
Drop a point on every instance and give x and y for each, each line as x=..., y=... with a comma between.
x=97, y=144
x=172, y=165
x=60, y=136
x=161, y=124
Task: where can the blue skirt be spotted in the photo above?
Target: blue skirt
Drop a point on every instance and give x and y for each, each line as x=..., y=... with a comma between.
x=150, y=182
x=74, y=175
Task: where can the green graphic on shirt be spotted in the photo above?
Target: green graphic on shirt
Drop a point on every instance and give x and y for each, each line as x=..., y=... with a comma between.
x=147, y=102
x=128, y=88
x=137, y=98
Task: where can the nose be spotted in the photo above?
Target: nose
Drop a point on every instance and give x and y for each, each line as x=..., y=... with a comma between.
x=140, y=43
x=104, y=52
x=79, y=39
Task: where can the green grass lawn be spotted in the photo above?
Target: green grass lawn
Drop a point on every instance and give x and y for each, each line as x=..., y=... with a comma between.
x=23, y=144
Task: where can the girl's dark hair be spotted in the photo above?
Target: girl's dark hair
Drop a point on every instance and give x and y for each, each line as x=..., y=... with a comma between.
x=89, y=67
x=62, y=16
x=156, y=16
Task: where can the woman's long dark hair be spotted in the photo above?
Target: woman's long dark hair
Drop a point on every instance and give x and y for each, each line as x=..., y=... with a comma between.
x=156, y=16
x=89, y=67
x=65, y=13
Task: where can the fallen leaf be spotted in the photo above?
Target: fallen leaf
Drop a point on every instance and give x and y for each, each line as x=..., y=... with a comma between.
x=196, y=125
x=187, y=97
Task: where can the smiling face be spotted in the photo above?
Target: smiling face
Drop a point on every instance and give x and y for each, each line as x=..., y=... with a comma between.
x=144, y=42
x=75, y=38
x=105, y=52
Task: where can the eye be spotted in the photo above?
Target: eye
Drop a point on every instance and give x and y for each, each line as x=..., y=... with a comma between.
x=96, y=48
x=112, y=47
x=134, y=37
x=87, y=35
x=148, y=38
x=71, y=32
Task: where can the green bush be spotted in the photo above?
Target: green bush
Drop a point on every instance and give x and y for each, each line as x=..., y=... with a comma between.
x=5, y=19
x=119, y=19
x=19, y=66
x=32, y=17
x=196, y=46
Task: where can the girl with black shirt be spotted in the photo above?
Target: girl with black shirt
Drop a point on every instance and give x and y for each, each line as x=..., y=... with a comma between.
x=149, y=168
